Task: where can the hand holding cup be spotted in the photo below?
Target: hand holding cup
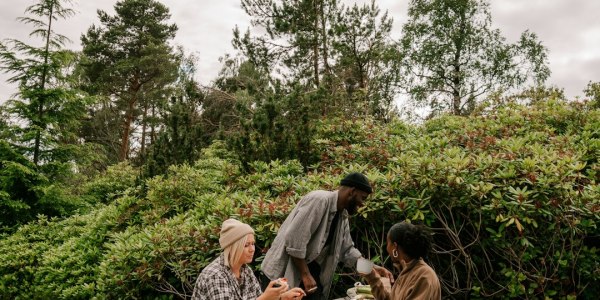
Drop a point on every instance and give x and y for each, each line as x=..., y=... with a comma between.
x=364, y=266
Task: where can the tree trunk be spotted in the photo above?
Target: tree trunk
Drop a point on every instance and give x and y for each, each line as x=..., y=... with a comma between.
x=143, y=146
x=316, y=45
x=324, y=35
x=456, y=103
x=456, y=82
x=456, y=76
x=38, y=137
x=127, y=128
x=40, y=108
x=152, y=127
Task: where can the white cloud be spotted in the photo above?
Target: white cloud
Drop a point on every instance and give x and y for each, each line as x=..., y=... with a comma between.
x=570, y=29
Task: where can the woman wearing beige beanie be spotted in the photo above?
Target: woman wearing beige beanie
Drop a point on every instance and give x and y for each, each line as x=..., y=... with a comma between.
x=228, y=277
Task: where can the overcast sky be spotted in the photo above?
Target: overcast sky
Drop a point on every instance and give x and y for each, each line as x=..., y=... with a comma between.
x=569, y=28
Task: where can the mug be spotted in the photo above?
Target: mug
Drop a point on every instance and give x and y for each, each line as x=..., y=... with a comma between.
x=364, y=265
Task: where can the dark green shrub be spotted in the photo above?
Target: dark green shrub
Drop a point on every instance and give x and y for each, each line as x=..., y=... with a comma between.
x=112, y=183
x=512, y=197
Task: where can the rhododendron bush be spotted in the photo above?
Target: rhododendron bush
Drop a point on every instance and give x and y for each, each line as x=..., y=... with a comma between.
x=512, y=198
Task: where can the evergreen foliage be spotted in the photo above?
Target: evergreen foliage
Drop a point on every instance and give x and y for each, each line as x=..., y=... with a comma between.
x=46, y=114
x=184, y=130
x=39, y=143
x=180, y=139
x=368, y=62
x=127, y=60
x=344, y=55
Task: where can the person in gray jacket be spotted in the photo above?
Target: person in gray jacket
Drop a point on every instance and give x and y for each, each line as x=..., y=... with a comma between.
x=315, y=237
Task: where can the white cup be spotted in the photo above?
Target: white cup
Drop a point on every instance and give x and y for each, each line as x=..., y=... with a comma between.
x=364, y=266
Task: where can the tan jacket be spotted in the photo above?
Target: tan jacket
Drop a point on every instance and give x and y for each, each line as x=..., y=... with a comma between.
x=417, y=280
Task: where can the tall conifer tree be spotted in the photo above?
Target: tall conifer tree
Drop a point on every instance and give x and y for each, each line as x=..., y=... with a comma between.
x=39, y=148
x=47, y=109
x=129, y=58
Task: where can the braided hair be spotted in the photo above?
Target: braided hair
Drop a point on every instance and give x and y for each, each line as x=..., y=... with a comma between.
x=415, y=240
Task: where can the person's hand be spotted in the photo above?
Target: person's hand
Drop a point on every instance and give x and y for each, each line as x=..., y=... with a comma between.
x=293, y=294
x=383, y=272
x=272, y=292
x=310, y=285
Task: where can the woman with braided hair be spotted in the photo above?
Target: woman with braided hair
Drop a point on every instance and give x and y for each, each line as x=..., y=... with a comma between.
x=407, y=245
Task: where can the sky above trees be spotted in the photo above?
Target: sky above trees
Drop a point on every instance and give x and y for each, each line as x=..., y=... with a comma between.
x=570, y=30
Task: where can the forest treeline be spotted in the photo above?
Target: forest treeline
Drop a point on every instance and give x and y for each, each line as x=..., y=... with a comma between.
x=116, y=164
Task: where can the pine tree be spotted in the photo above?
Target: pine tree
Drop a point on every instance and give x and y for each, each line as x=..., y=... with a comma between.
x=39, y=148
x=128, y=59
x=345, y=55
x=47, y=110
x=182, y=133
x=367, y=61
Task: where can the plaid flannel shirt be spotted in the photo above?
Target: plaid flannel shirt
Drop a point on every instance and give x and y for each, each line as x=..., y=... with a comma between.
x=217, y=282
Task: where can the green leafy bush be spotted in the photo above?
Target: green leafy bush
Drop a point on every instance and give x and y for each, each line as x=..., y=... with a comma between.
x=112, y=183
x=512, y=197
x=55, y=258
x=26, y=191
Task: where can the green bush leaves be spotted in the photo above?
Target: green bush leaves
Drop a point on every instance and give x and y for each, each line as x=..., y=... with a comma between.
x=512, y=198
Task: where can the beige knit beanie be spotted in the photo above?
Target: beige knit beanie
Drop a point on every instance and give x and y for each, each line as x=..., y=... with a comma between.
x=232, y=230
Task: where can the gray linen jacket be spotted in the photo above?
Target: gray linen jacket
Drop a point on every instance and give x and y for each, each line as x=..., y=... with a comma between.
x=303, y=235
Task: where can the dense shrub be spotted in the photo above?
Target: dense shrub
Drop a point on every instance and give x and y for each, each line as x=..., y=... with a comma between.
x=111, y=184
x=55, y=258
x=27, y=190
x=19, y=187
x=512, y=197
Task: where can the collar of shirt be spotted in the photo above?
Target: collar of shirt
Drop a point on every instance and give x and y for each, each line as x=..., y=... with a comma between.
x=333, y=206
x=333, y=202
x=238, y=285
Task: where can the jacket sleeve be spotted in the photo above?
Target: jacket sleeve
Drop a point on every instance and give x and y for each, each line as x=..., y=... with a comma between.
x=377, y=288
x=309, y=214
